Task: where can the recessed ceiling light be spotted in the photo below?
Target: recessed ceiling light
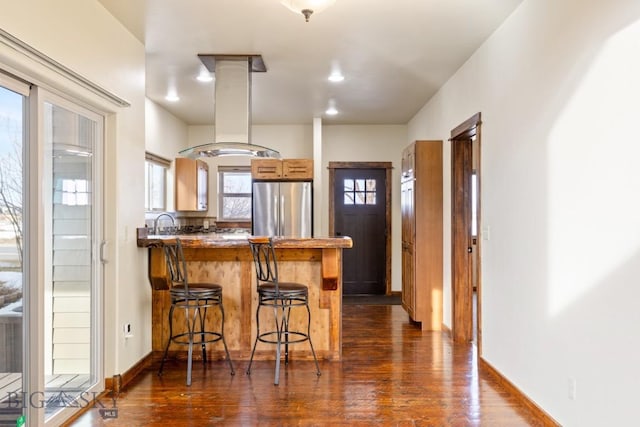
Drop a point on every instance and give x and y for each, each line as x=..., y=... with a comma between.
x=336, y=77
x=331, y=110
x=204, y=76
x=172, y=97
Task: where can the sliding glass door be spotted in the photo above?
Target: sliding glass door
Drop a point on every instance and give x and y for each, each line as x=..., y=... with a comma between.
x=71, y=139
x=12, y=330
x=50, y=263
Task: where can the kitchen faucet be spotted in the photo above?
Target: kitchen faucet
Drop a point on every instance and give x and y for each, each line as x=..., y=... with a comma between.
x=155, y=222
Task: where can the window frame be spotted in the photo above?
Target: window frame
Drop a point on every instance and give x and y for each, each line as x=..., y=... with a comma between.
x=355, y=194
x=153, y=159
x=222, y=170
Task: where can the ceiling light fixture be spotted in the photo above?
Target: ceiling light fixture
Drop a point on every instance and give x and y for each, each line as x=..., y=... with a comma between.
x=307, y=7
x=172, y=97
x=331, y=111
x=336, y=77
x=204, y=76
x=172, y=90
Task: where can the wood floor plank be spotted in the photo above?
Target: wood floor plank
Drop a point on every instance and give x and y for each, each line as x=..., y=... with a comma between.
x=10, y=383
x=392, y=373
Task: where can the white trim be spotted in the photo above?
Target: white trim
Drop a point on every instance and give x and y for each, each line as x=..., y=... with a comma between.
x=13, y=84
x=39, y=234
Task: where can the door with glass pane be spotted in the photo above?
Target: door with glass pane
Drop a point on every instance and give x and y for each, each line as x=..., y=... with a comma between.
x=361, y=212
x=72, y=139
x=12, y=329
x=50, y=269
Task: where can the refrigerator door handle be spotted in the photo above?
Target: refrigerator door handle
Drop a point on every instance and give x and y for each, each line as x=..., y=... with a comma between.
x=281, y=216
x=276, y=213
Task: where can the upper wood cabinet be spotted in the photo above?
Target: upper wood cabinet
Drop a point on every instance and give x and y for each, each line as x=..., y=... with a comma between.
x=421, y=211
x=191, y=184
x=282, y=170
x=266, y=168
x=297, y=169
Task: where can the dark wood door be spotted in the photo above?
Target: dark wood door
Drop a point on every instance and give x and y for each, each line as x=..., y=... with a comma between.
x=360, y=212
x=461, y=247
x=466, y=247
x=408, y=241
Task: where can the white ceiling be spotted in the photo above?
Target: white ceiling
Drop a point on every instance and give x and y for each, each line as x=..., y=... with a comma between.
x=394, y=54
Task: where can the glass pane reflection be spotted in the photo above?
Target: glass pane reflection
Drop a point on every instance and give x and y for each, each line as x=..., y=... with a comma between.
x=348, y=185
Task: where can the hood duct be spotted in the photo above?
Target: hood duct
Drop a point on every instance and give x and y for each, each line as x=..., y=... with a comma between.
x=232, y=108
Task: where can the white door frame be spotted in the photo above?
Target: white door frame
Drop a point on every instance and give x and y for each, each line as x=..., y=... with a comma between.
x=37, y=259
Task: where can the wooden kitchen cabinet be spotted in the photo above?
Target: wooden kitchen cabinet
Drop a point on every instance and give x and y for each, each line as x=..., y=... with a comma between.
x=299, y=169
x=191, y=184
x=282, y=170
x=266, y=169
x=421, y=211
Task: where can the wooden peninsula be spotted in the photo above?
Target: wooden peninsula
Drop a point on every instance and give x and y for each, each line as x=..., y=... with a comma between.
x=226, y=259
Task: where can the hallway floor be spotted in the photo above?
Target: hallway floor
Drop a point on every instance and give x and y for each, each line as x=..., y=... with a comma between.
x=392, y=373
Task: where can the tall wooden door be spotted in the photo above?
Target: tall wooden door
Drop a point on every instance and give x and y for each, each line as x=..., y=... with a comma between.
x=460, y=240
x=465, y=219
x=360, y=204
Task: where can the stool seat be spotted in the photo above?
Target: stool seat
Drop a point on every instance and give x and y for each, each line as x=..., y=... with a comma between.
x=283, y=290
x=197, y=289
x=194, y=299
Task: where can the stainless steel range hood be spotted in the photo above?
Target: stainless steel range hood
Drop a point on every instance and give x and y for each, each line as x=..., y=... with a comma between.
x=232, y=108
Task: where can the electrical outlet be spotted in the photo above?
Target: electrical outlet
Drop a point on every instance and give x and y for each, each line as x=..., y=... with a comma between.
x=572, y=388
x=126, y=330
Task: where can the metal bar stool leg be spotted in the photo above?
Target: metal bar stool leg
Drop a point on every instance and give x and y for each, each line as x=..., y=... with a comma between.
x=224, y=342
x=202, y=317
x=315, y=359
x=286, y=313
x=191, y=323
x=166, y=349
x=278, y=343
x=255, y=343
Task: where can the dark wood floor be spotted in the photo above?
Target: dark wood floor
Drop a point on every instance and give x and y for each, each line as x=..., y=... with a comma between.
x=392, y=374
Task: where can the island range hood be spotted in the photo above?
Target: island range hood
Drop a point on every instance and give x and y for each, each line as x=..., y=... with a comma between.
x=232, y=108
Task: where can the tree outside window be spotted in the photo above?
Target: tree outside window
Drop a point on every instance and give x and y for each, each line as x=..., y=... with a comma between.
x=234, y=193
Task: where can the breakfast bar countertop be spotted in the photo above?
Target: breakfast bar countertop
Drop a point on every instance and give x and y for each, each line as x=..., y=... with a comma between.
x=235, y=240
x=225, y=259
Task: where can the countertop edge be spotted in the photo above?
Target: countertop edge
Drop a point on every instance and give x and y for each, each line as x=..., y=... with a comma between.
x=234, y=241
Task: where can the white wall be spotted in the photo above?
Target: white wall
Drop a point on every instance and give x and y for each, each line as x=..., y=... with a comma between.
x=368, y=143
x=165, y=136
x=84, y=37
x=557, y=86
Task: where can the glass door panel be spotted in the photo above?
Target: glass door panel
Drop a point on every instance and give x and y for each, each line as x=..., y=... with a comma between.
x=72, y=270
x=11, y=254
x=50, y=270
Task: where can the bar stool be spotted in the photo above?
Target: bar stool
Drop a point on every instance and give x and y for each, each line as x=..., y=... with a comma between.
x=282, y=297
x=195, y=299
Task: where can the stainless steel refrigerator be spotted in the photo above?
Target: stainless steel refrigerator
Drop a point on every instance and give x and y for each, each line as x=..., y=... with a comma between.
x=282, y=209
